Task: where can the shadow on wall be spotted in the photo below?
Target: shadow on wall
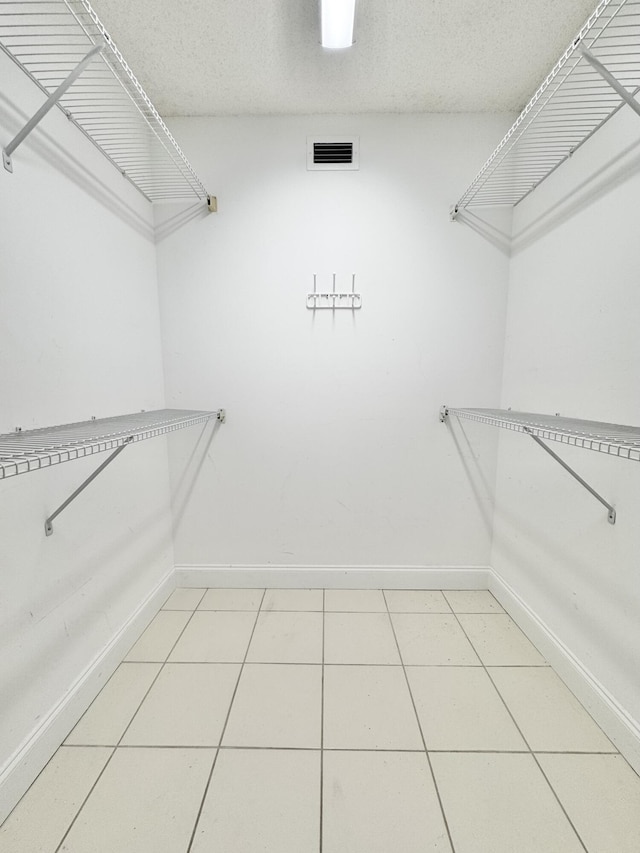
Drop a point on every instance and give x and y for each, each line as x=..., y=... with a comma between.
x=482, y=490
x=183, y=489
x=56, y=595
x=531, y=550
x=599, y=184
x=183, y=217
x=498, y=238
x=46, y=147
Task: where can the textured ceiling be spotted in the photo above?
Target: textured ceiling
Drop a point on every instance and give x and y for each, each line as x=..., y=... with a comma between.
x=257, y=57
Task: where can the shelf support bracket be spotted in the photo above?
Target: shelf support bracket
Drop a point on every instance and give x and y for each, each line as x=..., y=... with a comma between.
x=48, y=525
x=611, y=511
x=615, y=84
x=51, y=101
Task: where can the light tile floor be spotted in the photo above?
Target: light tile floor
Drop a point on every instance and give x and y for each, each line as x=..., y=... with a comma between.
x=345, y=721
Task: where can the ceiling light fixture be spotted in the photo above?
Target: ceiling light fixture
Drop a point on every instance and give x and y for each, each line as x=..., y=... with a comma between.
x=337, y=18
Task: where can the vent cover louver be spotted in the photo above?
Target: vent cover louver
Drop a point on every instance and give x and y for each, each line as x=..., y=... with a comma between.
x=332, y=153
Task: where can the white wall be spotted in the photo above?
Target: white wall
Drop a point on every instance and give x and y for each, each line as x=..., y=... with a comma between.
x=572, y=346
x=79, y=336
x=333, y=453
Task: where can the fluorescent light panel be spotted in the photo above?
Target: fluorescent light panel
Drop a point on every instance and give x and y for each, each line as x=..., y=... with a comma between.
x=337, y=17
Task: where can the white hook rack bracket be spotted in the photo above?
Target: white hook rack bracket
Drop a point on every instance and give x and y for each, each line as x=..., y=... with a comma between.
x=332, y=299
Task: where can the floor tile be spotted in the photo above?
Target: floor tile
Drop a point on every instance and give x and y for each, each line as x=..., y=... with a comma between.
x=187, y=706
x=215, y=636
x=548, y=714
x=601, y=794
x=287, y=638
x=500, y=803
x=355, y=600
x=231, y=599
x=432, y=639
x=368, y=707
x=113, y=708
x=359, y=638
x=157, y=641
x=498, y=640
x=146, y=801
x=460, y=709
x=262, y=801
x=375, y=802
x=293, y=599
x=276, y=705
x=184, y=599
x=40, y=820
x=472, y=601
x=416, y=601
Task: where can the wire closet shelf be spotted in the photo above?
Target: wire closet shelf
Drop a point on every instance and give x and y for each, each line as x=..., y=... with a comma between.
x=612, y=439
x=574, y=101
x=31, y=450
x=48, y=39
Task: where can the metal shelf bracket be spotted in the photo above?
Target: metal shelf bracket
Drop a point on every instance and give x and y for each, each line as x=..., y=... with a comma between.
x=615, y=84
x=612, y=439
x=611, y=515
x=51, y=101
x=48, y=525
x=576, y=98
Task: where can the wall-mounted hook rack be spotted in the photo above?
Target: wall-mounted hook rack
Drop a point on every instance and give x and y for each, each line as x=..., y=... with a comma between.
x=333, y=299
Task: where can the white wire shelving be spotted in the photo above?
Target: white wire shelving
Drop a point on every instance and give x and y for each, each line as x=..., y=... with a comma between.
x=613, y=439
x=32, y=450
x=50, y=40
x=596, y=75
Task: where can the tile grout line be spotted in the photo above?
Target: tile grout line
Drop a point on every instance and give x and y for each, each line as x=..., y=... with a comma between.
x=184, y=609
x=336, y=749
x=521, y=733
x=224, y=728
x=319, y=610
x=415, y=711
x=219, y=747
x=115, y=748
x=322, y=726
x=312, y=663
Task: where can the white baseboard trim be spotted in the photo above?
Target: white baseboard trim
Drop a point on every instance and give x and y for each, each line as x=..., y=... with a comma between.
x=613, y=719
x=20, y=770
x=333, y=577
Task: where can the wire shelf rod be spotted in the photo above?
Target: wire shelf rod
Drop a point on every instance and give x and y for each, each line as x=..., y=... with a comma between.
x=21, y=452
x=132, y=79
x=54, y=35
x=618, y=440
x=572, y=102
x=613, y=439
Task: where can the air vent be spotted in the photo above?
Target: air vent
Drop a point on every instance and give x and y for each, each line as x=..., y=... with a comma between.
x=333, y=153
